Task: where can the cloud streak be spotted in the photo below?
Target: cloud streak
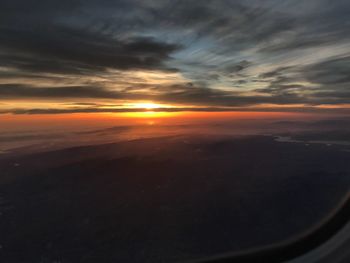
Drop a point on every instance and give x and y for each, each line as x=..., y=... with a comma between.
x=173, y=110
x=178, y=94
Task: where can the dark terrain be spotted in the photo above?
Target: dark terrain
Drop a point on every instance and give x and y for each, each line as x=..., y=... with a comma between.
x=165, y=199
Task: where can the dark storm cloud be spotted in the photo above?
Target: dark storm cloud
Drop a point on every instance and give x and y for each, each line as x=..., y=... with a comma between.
x=100, y=42
x=75, y=51
x=37, y=36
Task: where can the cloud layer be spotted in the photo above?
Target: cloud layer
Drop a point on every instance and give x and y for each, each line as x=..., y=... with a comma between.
x=211, y=54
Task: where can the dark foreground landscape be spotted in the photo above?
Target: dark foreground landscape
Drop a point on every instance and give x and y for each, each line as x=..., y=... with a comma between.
x=165, y=199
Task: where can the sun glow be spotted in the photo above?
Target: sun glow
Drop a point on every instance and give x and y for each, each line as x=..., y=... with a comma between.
x=147, y=106
x=149, y=114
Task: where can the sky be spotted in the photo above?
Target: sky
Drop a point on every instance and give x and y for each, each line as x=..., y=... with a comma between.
x=123, y=56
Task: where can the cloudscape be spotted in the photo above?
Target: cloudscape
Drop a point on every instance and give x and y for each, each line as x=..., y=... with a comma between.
x=98, y=56
x=163, y=131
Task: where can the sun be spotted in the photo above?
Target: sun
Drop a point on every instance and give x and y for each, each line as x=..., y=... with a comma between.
x=147, y=106
x=147, y=109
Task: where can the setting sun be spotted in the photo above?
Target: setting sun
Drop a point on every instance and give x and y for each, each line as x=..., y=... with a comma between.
x=147, y=106
x=148, y=114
